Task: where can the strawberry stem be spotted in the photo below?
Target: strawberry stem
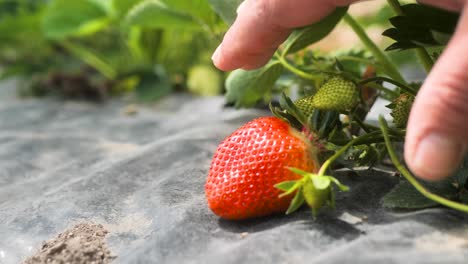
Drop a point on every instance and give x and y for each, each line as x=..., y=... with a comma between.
x=367, y=62
x=388, y=92
x=404, y=87
x=372, y=137
x=293, y=69
x=410, y=178
x=335, y=156
x=387, y=65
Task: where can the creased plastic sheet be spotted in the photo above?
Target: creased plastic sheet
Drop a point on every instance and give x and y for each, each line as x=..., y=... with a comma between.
x=142, y=176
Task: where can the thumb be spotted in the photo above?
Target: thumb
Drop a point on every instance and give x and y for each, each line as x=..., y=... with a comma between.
x=437, y=133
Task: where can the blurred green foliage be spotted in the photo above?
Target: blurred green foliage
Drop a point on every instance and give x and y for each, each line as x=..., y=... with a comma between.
x=96, y=48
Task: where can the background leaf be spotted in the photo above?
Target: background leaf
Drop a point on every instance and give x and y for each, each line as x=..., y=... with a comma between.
x=246, y=88
x=421, y=26
x=199, y=9
x=153, y=85
x=226, y=9
x=105, y=5
x=121, y=7
x=156, y=14
x=65, y=18
x=303, y=37
x=405, y=196
x=461, y=174
x=286, y=185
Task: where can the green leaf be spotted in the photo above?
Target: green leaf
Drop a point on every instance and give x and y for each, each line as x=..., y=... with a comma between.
x=303, y=37
x=421, y=26
x=320, y=182
x=121, y=7
x=105, y=5
x=153, y=85
x=300, y=172
x=296, y=202
x=296, y=186
x=145, y=43
x=199, y=9
x=287, y=104
x=461, y=174
x=464, y=197
x=323, y=122
x=156, y=14
x=286, y=185
x=341, y=186
x=435, y=18
x=65, y=18
x=226, y=9
x=441, y=38
x=246, y=88
x=405, y=196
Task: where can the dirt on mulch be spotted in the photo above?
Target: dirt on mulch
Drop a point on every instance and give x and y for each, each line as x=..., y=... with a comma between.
x=83, y=243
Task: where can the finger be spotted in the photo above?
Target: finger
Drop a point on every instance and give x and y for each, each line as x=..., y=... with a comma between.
x=261, y=26
x=437, y=133
x=452, y=5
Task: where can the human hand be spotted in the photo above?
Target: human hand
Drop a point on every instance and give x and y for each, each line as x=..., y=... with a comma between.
x=262, y=25
x=437, y=132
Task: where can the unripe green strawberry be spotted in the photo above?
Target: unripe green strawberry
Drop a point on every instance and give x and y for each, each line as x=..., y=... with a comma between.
x=337, y=94
x=314, y=197
x=401, y=108
x=305, y=105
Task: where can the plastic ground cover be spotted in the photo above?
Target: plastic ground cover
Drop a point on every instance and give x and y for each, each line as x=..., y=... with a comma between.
x=142, y=177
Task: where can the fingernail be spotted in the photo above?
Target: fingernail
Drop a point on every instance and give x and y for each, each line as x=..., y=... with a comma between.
x=437, y=156
x=216, y=55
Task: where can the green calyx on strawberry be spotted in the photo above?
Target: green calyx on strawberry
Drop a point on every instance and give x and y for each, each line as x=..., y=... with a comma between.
x=338, y=94
x=315, y=123
x=401, y=108
x=250, y=162
x=314, y=189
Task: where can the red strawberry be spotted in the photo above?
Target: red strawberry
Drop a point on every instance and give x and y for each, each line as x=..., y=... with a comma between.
x=248, y=164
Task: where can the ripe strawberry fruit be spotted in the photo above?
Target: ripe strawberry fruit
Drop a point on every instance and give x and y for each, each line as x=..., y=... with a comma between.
x=337, y=94
x=248, y=164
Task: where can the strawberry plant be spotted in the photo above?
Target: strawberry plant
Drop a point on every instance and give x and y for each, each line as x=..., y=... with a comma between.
x=111, y=46
x=333, y=93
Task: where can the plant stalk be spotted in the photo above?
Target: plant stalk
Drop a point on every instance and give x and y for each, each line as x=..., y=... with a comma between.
x=409, y=177
x=385, y=62
x=295, y=70
x=396, y=7
x=337, y=154
x=383, y=89
x=405, y=87
x=343, y=149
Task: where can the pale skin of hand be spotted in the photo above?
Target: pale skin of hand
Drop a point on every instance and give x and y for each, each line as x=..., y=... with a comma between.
x=437, y=132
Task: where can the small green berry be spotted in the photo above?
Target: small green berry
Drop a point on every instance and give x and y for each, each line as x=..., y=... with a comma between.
x=337, y=94
x=401, y=109
x=305, y=105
